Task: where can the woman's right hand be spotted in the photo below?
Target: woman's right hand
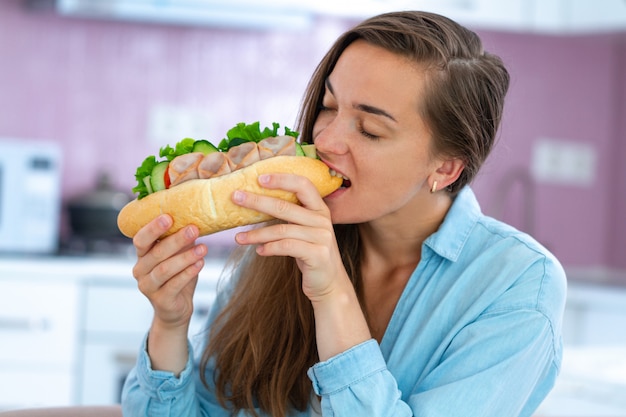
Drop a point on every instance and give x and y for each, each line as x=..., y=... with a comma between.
x=167, y=273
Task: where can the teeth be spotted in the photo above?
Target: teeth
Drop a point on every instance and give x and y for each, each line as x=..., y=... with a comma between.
x=336, y=174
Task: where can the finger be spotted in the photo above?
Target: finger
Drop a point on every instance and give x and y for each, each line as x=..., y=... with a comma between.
x=284, y=210
x=164, y=249
x=179, y=282
x=278, y=232
x=150, y=233
x=275, y=207
x=175, y=272
x=311, y=255
x=301, y=186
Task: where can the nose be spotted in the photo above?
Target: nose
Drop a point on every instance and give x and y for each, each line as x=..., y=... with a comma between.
x=331, y=139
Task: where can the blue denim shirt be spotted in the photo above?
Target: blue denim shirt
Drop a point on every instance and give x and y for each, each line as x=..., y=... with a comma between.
x=476, y=332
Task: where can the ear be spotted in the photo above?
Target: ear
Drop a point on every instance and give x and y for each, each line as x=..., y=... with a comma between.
x=448, y=171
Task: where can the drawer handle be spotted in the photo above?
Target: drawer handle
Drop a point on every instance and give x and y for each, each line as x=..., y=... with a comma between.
x=24, y=324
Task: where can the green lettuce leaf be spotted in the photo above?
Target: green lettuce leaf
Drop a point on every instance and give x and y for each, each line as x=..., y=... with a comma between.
x=243, y=132
x=181, y=148
x=144, y=170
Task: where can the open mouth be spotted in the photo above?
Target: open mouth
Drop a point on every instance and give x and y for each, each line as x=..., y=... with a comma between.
x=346, y=181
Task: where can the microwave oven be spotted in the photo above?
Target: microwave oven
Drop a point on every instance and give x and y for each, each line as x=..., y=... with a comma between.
x=30, y=196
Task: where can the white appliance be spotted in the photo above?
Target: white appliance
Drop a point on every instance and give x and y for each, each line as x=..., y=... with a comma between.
x=30, y=196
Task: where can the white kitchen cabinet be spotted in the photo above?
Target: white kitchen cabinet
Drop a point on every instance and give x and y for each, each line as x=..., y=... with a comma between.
x=70, y=328
x=37, y=322
x=115, y=320
x=595, y=315
x=38, y=342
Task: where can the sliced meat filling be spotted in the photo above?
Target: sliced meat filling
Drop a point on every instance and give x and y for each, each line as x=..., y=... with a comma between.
x=243, y=155
x=214, y=165
x=279, y=145
x=197, y=165
x=184, y=168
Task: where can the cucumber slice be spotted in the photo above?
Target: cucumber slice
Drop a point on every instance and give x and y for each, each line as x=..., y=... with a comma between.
x=146, y=181
x=157, y=177
x=204, y=146
x=309, y=150
x=299, y=150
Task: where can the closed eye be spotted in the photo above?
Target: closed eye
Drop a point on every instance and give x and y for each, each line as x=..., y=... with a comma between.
x=369, y=135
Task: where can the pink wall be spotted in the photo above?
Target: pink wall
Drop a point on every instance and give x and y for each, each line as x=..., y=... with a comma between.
x=568, y=88
x=90, y=86
x=617, y=179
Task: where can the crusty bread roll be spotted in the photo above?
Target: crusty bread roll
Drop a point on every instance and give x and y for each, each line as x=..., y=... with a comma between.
x=207, y=202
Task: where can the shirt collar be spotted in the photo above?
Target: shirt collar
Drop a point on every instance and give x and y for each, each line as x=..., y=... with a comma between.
x=449, y=239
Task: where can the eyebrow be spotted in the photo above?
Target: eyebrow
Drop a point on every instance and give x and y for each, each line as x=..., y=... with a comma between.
x=364, y=107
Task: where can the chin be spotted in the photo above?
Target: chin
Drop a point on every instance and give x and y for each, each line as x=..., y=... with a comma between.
x=346, y=217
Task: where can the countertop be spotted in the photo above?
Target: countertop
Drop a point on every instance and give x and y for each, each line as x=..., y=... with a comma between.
x=68, y=268
x=597, y=275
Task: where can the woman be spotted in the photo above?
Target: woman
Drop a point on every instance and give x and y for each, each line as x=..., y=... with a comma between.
x=393, y=296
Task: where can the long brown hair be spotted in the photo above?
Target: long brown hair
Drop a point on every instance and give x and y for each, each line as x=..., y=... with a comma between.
x=263, y=342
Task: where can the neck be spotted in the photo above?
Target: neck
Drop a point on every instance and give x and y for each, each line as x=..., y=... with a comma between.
x=396, y=240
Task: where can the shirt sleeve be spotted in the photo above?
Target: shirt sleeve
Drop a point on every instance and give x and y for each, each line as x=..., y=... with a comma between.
x=357, y=382
x=154, y=393
x=148, y=392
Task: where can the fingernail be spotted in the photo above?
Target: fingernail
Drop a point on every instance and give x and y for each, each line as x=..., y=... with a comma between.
x=264, y=179
x=238, y=196
x=190, y=232
x=198, y=250
x=240, y=237
x=164, y=222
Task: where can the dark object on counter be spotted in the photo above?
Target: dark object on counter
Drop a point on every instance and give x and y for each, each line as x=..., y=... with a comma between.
x=93, y=215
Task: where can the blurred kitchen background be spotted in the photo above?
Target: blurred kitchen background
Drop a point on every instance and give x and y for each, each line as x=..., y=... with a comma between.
x=89, y=88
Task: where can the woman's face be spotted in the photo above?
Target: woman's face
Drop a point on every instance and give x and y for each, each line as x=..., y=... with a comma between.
x=370, y=130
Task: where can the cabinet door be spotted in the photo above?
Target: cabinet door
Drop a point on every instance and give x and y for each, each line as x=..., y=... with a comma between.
x=116, y=310
x=116, y=318
x=37, y=323
x=595, y=315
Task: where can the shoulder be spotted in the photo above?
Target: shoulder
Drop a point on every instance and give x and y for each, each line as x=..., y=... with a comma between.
x=517, y=247
x=528, y=269
x=493, y=255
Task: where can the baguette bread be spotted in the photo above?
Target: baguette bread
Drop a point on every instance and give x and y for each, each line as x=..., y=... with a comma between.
x=207, y=203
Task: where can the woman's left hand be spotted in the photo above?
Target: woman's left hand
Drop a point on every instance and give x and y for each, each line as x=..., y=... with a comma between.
x=308, y=235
